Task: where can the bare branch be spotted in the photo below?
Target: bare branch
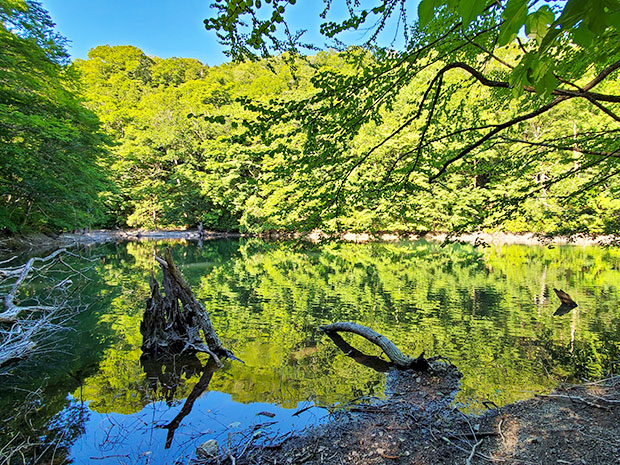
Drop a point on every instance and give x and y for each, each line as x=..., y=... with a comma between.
x=24, y=329
x=602, y=75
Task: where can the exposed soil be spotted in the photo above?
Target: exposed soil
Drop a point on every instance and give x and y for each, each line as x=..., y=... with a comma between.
x=573, y=425
x=417, y=424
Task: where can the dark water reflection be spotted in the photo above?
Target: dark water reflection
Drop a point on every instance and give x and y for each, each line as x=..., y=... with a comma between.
x=491, y=311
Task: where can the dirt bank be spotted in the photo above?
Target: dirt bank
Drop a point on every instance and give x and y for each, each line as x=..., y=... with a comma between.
x=417, y=424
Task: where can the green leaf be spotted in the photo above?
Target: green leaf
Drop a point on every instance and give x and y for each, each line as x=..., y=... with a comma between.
x=470, y=9
x=583, y=36
x=574, y=11
x=426, y=9
x=537, y=24
x=514, y=16
x=546, y=84
x=613, y=19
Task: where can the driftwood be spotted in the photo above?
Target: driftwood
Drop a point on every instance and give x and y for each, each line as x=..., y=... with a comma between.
x=173, y=322
x=11, y=310
x=28, y=328
x=567, y=304
x=399, y=359
x=565, y=299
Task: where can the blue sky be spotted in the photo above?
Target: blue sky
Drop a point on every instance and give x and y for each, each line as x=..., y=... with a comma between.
x=164, y=28
x=159, y=27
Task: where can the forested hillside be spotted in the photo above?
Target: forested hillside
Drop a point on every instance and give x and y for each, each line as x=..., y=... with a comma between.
x=52, y=156
x=178, y=143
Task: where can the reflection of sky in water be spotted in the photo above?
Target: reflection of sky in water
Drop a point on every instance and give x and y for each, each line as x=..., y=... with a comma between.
x=113, y=438
x=491, y=311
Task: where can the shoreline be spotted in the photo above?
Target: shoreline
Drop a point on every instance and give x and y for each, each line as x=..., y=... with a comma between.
x=41, y=241
x=417, y=423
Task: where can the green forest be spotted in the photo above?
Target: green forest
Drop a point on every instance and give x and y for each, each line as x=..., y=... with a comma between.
x=473, y=125
x=129, y=314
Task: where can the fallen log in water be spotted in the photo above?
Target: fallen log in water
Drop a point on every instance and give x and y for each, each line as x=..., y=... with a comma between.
x=169, y=328
x=399, y=359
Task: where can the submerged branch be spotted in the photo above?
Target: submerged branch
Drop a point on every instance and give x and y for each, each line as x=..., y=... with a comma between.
x=399, y=359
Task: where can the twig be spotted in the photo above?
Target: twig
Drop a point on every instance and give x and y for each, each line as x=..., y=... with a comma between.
x=474, y=436
x=110, y=457
x=486, y=457
x=573, y=398
x=605, y=399
x=499, y=429
x=471, y=428
x=302, y=410
x=472, y=453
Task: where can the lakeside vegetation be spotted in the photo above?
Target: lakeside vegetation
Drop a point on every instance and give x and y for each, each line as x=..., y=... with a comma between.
x=481, y=115
x=123, y=139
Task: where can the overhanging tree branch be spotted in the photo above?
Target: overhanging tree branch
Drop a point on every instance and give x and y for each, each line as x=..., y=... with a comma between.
x=495, y=131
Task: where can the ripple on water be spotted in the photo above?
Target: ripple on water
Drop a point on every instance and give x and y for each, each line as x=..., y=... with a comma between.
x=490, y=311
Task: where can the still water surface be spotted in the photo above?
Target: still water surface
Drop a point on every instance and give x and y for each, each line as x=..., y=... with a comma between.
x=491, y=311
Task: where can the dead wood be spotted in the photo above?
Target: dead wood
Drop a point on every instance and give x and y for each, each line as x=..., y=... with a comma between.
x=574, y=399
x=173, y=322
x=26, y=328
x=399, y=359
x=12, y=311
x=565, y=299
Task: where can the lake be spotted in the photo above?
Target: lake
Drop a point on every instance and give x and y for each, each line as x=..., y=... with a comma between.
x=491, y=311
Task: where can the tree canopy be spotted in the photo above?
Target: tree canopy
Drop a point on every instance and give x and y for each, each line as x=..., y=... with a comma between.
x=51, y=151
x=476, y=115
x=516, y=99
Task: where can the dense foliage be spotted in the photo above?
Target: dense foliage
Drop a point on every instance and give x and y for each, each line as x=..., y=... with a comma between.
x=177, y=171
x=456, y=124
x=458, y=108
x=51, y=153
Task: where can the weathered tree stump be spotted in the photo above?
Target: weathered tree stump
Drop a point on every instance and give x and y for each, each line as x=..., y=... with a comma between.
x=399, y=359
x=173, y=322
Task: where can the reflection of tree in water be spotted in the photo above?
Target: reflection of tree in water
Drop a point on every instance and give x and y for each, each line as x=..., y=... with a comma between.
x=489, y=310
x=370, y=361
x=483, y=308
x=165, y=374
x=65, y=428
x=32, y=437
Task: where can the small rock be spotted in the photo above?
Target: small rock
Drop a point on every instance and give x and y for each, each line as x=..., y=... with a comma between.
x=209, y=449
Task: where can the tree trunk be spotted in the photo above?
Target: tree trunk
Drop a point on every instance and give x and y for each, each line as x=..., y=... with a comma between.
x=399, y=359
x=169, y=328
